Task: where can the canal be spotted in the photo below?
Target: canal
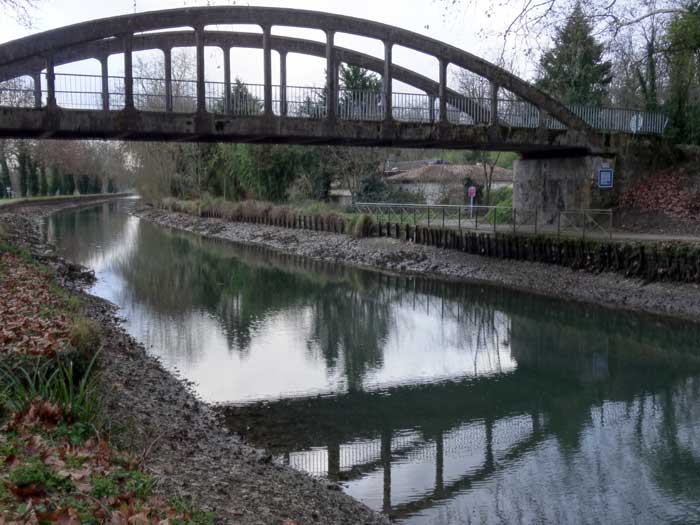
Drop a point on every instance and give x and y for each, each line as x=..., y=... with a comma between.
x=435, y=402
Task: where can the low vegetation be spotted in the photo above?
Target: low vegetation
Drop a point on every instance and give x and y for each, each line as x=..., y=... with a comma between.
x=317, y=216
x=56, y=462
x=502, y=199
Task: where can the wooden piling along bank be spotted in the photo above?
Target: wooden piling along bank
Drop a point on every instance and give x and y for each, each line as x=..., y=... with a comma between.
x=673, y=261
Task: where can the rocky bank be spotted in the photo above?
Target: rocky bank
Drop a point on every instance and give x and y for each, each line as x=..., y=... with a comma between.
x=607, y=289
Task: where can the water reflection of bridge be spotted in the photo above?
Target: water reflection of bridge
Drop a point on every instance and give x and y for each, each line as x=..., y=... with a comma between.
x=355, y=460
x=465, y=432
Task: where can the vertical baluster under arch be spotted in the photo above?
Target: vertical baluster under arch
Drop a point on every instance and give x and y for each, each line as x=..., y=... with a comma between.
x=227, y=79
x=50, y=83
x=201, y=86
x=36, y=79
x=283, y=83
x=104, y=71
x=331, y=77
x=168, y=66
x=267, y=59
x=443, y=90
x=387, y=81
x=128, y=73
x=494, y=104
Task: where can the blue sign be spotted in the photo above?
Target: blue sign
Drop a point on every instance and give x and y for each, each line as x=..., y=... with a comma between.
x=606, y=178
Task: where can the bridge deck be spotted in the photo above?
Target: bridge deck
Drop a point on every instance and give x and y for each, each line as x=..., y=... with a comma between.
x=513, y=114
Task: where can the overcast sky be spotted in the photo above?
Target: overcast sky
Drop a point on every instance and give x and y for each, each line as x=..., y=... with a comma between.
x=460, y=27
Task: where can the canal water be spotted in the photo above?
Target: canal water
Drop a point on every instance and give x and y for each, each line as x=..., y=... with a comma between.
x=434, y=402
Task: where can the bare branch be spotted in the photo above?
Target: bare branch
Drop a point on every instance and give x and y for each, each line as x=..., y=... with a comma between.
x=21, y=10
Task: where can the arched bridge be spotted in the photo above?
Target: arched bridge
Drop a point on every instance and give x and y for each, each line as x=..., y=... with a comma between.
x=36, y=101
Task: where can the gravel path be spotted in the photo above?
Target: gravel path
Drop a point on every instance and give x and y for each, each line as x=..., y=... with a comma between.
x=155, y=415
x=608, y=289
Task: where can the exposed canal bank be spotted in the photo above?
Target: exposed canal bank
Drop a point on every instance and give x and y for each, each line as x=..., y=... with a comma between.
x=159, y=418
x=678, y=300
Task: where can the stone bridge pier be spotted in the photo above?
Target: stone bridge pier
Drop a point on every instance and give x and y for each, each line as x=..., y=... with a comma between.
x=547, y=185
x=548, y=182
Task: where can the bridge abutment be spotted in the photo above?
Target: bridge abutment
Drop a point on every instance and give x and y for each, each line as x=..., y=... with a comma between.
x=546, y=185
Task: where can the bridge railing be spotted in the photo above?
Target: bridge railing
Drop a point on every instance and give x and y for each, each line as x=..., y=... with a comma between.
x=75, y=91
x=360, y=104
x=585, y=223
x=306, y=102
x=414, y=107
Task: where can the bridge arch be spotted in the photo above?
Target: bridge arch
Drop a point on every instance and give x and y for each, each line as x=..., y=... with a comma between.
x=123, y=31
x=166, y=41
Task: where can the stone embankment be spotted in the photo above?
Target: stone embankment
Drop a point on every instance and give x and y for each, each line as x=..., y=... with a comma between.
x=679, y=300
x=179, y=438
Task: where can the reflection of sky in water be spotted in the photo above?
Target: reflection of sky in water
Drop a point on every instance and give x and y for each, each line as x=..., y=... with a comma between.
x=422, y=349
x=280, y=359
x=278, y=363
x=486, y=408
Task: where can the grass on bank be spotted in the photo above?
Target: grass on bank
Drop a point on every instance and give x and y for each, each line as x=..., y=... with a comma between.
x=56, y=462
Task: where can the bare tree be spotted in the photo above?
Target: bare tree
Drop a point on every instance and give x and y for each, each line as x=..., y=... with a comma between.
x=536, y=18
x=17, y=92
x=166, y=168
x=21, y=10
x=149, y=83
x=476, y=87
x=354, y=164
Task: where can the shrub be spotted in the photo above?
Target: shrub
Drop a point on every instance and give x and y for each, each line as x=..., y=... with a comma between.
x=504, y=213
x=502, y=196
x=85, y=336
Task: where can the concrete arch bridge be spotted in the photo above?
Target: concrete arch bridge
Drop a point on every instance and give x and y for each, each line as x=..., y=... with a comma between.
x=36, y=101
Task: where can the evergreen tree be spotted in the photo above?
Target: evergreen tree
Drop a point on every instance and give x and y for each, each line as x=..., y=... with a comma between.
x=5, y=180
x=23, y=169
x=356, y=78
x=110, y=186
x=96, y=186
x=243, y=102
x=361, y=93
x=84, y=184
x=43, y=182
x=574, y=71
x=684, y=82
x=67, y=184
x=54, y=182
x=33, y=179
x=314, y=108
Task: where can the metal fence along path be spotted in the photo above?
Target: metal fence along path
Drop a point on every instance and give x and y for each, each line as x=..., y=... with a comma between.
x=589, y=223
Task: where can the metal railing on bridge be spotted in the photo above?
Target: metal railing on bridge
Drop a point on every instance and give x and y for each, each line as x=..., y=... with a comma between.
x=585, y=223
x=74, y=91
